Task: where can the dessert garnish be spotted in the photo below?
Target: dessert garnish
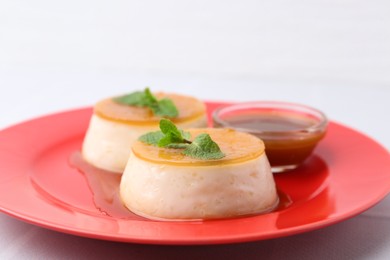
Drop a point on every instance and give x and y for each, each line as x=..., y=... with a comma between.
x=202, y=147
x=163, y=107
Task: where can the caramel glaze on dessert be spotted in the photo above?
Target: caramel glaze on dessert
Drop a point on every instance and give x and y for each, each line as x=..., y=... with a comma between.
x=249, y=148
x=189, y=109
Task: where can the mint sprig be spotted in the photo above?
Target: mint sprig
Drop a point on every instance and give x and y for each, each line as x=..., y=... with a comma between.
x=164, y=107
x=172, y=135
x=203, y=147
x=151, y=138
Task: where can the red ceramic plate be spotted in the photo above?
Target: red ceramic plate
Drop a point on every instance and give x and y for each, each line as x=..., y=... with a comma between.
x=347, y=174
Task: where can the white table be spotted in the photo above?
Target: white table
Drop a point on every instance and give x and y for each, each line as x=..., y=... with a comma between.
x=333, y=55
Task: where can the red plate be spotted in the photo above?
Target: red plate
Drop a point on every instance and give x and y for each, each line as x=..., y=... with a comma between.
x=347, y=174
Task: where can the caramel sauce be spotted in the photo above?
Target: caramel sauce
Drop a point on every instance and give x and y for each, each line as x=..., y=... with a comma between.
x=287, y=140
x=238, y=147
x=189, y=109
x=104, y=186
x=272, y=121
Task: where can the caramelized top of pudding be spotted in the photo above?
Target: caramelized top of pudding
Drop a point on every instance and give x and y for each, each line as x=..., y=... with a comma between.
x=189, y=108
x=237, y=146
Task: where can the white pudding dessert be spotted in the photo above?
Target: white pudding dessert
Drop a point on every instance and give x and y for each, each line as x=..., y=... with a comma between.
x=114, y=127
x=164, y=184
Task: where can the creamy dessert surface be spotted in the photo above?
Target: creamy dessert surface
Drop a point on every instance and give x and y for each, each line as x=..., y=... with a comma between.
x=189, y=109
x=164, y=184
x=237, y=147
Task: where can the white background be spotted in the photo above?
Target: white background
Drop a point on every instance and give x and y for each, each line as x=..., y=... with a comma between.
x=333, y=55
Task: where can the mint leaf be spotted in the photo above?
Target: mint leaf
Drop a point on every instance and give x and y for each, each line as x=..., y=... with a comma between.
x=203, y=147
x=172, y=134
x=177, y=146
x=149, y=96
x=134, y=99
x=152, y=138
x=164, y=107
x=167, y=127
x=169, y=139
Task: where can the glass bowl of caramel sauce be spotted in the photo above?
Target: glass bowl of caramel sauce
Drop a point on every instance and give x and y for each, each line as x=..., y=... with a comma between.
x=290, y=131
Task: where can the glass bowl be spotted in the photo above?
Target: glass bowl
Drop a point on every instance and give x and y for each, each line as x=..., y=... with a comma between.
x=290, y=131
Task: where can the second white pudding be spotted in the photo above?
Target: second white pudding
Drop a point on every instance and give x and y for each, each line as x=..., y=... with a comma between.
x=115, y=127
x=241, y=184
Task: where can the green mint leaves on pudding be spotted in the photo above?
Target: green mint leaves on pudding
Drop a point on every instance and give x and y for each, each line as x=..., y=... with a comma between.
x=163, y=107
x=202, y=147
x=172, y=135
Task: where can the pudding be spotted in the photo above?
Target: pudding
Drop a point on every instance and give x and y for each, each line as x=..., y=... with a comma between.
x=114, y=127
x=164, y=184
